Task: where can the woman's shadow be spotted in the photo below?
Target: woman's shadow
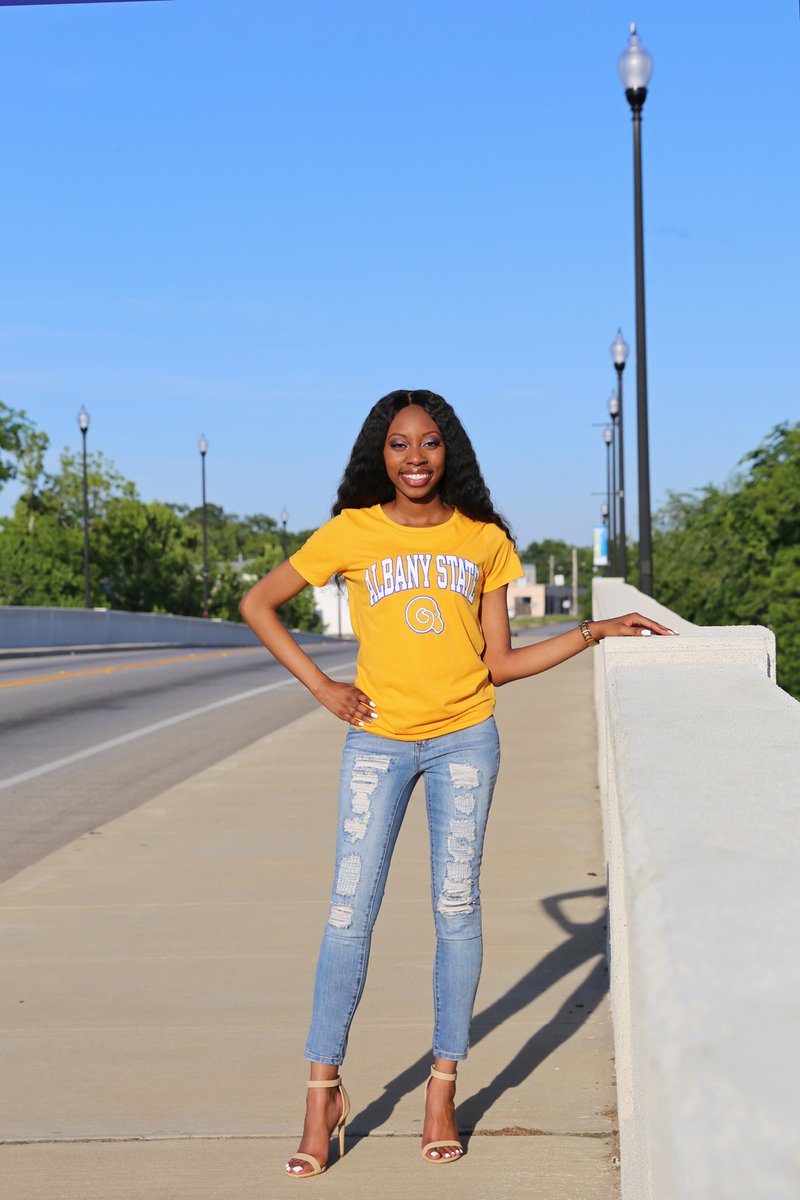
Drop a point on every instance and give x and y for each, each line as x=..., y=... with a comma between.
x=585, y=941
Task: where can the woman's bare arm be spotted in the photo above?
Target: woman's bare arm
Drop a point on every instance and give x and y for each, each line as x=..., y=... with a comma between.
x=259, y=609
x=506, y=663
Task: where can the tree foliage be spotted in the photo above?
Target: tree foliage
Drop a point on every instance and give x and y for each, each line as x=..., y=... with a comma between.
x=540, y=554
x=731, y=555
x=142, y=557
x=15, y=427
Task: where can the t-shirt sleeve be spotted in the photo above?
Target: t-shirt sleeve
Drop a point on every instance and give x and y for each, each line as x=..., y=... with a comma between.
x=502, y=563
x=322, y=555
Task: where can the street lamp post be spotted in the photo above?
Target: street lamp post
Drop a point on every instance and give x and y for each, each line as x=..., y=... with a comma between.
x=608, y=438
x=635, y=68
x=203, y=447
x=619, y=354
x=284, y=520
x=613, y=412
x=83, y=425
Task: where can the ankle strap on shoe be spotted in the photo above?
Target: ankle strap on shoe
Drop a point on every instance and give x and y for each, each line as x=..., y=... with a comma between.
x=449, y=1075
x=325, y=1082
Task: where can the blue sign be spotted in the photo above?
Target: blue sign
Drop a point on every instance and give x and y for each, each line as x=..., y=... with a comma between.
x=600, y=542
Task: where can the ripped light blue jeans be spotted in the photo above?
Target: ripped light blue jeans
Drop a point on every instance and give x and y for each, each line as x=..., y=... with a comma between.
x=378, y=777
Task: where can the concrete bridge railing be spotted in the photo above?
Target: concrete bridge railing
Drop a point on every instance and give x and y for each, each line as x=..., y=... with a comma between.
x=74, y=627
x=700, y=780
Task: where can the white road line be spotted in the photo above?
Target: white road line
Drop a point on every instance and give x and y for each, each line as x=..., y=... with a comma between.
x=101, y=747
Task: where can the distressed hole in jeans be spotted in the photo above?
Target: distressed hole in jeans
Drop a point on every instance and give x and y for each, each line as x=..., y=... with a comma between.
x=464, y=803
x=349, y=875
x=367, y=771
x=356, y=827
x=464, y=828
x=456, y=894
x=458, y=872
x=459, y=850
x=463, y=775
x=341, y=916
x=456, y=897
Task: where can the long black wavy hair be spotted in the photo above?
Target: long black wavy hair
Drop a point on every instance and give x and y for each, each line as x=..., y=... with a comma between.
x=365, y=481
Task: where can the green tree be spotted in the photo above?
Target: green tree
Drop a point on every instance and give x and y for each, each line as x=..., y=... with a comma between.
x=540, y=553
x=297, y=613
x=42, y=565
x=731, y=555
x=15, y=427
x=145, y=560
x=143, y=557
x=63, y=492
x=33, y=447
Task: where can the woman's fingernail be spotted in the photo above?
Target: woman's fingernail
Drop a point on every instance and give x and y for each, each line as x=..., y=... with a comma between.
x=372, y=703
x=646, y=633
x=374, y=716
x=359, y=722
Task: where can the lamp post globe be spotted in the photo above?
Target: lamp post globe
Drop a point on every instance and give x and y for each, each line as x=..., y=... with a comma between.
x=202, y=446
x=635, y=66
x=83, y=425
x=619, y=351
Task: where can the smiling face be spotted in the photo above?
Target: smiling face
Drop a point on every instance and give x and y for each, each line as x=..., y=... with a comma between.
x=414, y=454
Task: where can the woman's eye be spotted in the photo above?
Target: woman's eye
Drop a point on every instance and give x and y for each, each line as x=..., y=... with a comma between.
x=397, y=445
x=432, y=442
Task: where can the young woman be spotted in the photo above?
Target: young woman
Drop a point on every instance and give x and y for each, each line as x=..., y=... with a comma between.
x=427, y=561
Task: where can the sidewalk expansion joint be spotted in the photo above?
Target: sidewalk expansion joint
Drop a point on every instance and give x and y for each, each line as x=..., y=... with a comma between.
x=510, y=1131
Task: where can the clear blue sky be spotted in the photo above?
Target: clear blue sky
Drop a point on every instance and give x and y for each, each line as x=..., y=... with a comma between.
x=252, y=219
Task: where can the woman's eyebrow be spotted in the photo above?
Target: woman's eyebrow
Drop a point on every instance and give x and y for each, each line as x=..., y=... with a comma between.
x=429, y=433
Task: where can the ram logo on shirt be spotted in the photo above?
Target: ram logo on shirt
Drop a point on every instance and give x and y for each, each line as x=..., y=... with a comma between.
x=409, y=572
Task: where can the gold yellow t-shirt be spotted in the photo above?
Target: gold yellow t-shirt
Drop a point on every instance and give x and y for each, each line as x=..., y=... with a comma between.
x=414, y=603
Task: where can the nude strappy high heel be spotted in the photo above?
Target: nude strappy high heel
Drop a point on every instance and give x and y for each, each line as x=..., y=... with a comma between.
x=451, y=1078
x=316, y=1168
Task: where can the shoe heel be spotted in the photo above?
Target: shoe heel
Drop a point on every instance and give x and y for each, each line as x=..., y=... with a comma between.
x=343, y=1118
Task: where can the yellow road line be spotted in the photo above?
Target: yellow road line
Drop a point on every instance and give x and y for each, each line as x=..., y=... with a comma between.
x=137, y=666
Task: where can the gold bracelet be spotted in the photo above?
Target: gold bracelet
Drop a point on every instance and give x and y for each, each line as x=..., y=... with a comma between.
x=587, y=634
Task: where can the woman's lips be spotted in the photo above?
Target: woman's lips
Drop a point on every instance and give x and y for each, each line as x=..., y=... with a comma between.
x=416, y=478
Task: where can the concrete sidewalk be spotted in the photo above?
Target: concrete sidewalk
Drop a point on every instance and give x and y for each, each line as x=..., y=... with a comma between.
x=157, y=975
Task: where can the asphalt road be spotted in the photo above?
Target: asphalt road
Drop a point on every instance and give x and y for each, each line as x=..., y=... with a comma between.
x=85, y=738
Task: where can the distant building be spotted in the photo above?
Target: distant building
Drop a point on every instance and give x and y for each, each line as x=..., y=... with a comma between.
x=526, y=597
x=558, y=599
x=332, y=605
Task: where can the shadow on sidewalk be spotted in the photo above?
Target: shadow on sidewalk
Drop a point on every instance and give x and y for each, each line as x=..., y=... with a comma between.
x=586, y=941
